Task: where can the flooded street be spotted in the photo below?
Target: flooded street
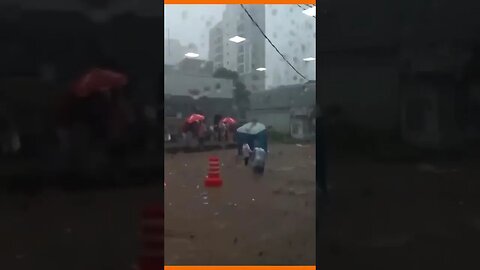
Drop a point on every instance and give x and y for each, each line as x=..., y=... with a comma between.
x=65, y=230
x=249, y=220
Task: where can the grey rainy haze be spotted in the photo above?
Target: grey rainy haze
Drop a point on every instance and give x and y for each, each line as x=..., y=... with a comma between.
x=191, y=24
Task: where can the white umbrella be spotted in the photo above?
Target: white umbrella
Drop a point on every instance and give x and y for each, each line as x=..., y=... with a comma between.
x=251, y=128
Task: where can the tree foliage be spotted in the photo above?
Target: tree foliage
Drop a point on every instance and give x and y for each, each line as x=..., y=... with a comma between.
x=241, y=95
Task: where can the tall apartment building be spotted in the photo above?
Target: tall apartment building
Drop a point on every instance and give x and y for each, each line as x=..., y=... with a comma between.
x=294, y=35
x=244, y=57
x=292, y=32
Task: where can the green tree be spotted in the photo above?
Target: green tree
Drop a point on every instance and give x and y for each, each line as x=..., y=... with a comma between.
x=241, y=95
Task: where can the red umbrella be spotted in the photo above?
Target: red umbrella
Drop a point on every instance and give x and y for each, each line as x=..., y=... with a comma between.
x=98, y=80
x=194, y=118
x=228, y=121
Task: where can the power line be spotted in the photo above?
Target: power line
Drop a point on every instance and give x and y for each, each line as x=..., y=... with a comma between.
x=269, y=41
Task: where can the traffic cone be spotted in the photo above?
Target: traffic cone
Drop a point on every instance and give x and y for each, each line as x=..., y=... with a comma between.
x=213, y=178
x=151, y=233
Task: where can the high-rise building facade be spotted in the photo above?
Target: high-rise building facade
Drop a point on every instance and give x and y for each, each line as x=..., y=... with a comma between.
x=244, y=57
x=292, y=32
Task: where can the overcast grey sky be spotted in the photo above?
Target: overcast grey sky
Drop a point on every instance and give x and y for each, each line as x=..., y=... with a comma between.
x=191, y=24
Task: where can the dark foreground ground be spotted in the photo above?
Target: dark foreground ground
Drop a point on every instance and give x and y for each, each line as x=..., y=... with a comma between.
x=75, y=228
x=399, y=215
x=381, y=215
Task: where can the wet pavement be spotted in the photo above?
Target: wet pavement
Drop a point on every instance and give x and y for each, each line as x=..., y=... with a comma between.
x=264, y=220
x=401, y=215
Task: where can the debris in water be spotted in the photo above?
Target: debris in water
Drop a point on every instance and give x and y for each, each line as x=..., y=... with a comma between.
x=198, y=186
x=253, y=199
x=205, y=203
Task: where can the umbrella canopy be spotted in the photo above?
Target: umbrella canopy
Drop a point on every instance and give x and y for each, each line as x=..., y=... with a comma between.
x=98, y=80
x=252, y=128
x=194, y=118
x=254, y=134
x=228, y=121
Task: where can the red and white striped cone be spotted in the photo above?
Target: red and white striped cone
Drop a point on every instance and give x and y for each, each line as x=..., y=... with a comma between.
x=213, y=178
x=152, y=238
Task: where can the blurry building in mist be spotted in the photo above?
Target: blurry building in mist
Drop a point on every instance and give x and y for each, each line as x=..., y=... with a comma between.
x=174, y=51
x=293, y=33
x=190, y=88
x=286, y=109
x=244, y=57
x=409, y=68
x=289, y=29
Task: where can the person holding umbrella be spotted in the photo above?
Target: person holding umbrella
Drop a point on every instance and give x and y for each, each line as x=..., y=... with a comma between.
x=193, y=124
x=89, y=104
x=226, y=125
x=255, y=135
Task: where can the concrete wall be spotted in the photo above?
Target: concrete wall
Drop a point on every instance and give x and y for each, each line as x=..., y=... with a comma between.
x=178, y=83
x=279, y=120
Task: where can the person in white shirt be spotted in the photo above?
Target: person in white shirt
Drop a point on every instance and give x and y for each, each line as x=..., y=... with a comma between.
x=259, y=156
x=247, y=152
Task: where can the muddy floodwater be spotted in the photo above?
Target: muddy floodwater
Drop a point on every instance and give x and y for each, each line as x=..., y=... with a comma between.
x=264, y=220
